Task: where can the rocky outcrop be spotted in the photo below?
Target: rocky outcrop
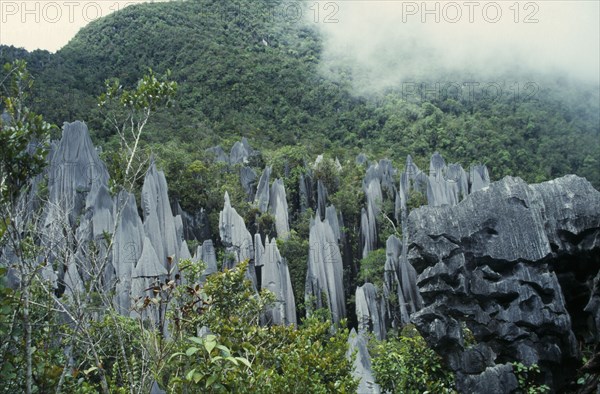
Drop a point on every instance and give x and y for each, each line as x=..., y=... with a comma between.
x=248, y=181
x=370, y=310
x=379, y=180
x=357, y=351
x=324, y=277
x=279, y=209
x=239, y=153
x=479, y=177
x=195, y=225
x=400, y=283
x=369, y=217
x=75, y=172
x=503, y=265
x=305, y=191
x=87, y=234
x=321, y=198
x=206, y=253
x=262, y=191
x=275, y=277
x=218, y=154
x=234, y=235
x=159, y=222
x=127, y=249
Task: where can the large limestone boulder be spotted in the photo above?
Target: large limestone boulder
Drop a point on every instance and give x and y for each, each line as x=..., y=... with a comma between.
x=512, y=264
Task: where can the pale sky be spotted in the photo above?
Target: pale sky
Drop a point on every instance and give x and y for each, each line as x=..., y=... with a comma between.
x=384, y=40
x=50, y=24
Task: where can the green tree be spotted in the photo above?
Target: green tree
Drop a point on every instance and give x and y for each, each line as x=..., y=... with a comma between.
x=23, y=146
x=128, y=111
x=372, y=268
x=407, y=365
x=23, y=134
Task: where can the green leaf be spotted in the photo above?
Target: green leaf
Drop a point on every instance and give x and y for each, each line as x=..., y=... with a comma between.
x=190, y=374
x=209, y=346
x=244, y=361
x=191, y=351
x=224, y=349
x=175, y=355
x=211, y=380
x=197, y=377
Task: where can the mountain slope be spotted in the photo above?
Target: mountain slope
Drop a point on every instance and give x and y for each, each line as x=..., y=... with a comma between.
x=251, y=68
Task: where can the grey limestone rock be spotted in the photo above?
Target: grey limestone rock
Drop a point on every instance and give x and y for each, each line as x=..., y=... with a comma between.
x=324, y=277
x=127, y=248
x=206, y=253
x=234, y=235
x=479, y=177
x=159, y=223
x=259, y=251
x=305, y=188
x=248, y=180
x=275, y=277
x=447, y=184
x=361, y=159
x=507, y=274
x=219, y=154
x=400, y=280
x=279, y=209
x=369, y=215
x=73, y=282
x=239, y=153
x=370, y=310
x=496, y=379
x=385, y=172
x=75, y=175
x=357, y=348
x=321, y=198
x=195, y=224
x=149, y=264
x=262, y=191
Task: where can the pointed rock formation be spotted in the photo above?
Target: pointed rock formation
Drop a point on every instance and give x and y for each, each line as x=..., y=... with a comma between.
x=219, y=154
x=370, y=311
x=127, y=248
x=279, y=209
x=400, y=283
x=248, y=181
x=275, y=277
x=324, y=277
x=357, y=345
x=479, y=177
x=321, y=198
x=206, y=253
x=239, y=153
x=234, y=235
x=159, y=223
x=262, y=191
x=305, y=188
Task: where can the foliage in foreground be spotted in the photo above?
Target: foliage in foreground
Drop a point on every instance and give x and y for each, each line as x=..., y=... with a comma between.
x=240, y=355
x=232, y=352
x=406, y=364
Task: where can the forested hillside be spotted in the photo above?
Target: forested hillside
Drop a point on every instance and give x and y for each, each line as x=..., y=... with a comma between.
x=249, y=69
